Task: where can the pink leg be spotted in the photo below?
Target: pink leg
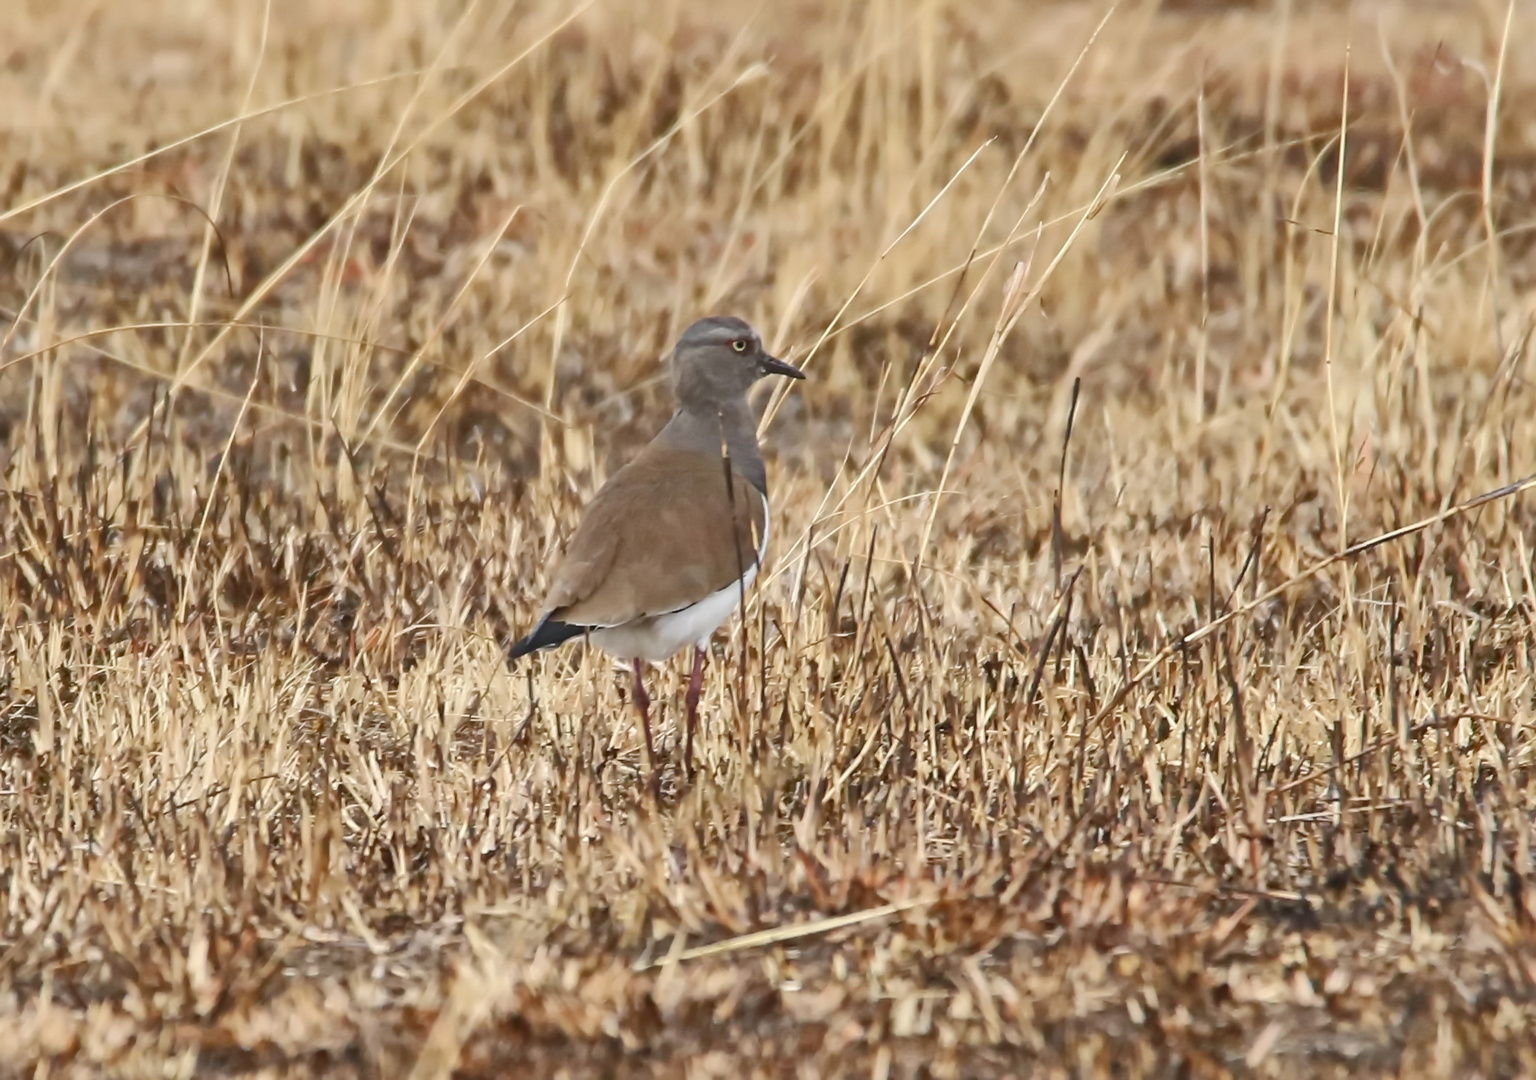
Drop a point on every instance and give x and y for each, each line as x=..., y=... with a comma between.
x=643, y=703
x=695, y=682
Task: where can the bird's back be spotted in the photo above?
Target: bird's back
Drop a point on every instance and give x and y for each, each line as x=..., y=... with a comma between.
x=667, y=530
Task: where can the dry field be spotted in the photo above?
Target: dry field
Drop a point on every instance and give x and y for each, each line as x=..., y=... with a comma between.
x=1117, y=751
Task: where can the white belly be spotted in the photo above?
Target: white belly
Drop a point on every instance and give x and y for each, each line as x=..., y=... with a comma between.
x=659, y=636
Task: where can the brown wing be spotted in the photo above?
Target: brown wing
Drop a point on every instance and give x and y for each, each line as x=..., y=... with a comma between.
x=659, y=536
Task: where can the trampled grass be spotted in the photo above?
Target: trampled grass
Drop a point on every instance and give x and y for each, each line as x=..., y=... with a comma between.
x=1122, y=753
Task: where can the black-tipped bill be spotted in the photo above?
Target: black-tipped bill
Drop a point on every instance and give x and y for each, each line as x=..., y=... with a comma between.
x=772, y=365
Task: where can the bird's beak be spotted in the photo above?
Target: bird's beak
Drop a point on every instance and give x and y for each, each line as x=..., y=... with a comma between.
x=772, y=365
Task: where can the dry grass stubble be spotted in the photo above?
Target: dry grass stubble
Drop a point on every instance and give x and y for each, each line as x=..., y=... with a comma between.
x=973, y=804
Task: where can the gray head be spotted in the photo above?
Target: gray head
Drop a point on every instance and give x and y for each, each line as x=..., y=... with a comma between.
x=717, y=360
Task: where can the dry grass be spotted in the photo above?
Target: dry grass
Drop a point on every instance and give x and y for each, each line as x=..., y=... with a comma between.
x=980, y=798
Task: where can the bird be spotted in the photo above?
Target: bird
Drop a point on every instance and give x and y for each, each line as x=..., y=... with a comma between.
x=666, y=549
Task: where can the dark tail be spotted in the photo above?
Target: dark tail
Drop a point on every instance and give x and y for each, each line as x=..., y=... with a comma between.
x=547, y=633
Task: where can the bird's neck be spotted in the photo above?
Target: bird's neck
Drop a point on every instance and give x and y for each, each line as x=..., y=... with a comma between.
x=728, y=428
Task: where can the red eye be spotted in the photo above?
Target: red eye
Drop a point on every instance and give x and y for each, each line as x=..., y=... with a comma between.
x=739, y=345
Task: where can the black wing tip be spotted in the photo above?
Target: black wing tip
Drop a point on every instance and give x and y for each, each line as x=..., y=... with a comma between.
x=547, y=634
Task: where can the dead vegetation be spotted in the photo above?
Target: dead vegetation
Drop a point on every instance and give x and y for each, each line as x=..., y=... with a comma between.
x=985, y=791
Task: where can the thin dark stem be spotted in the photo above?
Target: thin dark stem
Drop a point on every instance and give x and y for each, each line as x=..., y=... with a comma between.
x=695, y=683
